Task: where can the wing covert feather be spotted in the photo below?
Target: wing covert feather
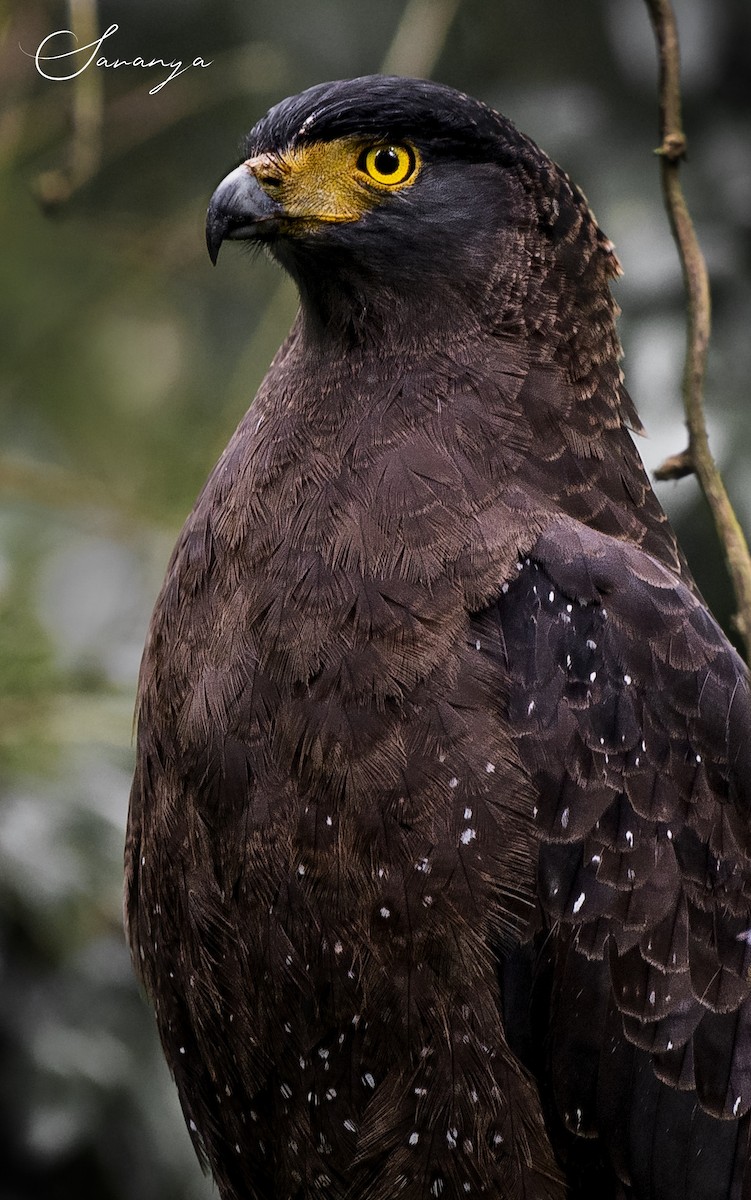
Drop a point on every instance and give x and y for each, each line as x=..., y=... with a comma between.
x=633, y=717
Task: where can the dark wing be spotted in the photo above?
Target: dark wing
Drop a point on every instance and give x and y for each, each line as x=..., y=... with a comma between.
x=632, y=714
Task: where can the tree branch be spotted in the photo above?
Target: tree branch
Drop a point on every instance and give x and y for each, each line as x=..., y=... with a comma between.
x=54, y=188
x=698, y=456
x=420, y=37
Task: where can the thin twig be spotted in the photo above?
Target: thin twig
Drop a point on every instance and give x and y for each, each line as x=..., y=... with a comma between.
x=698, y=456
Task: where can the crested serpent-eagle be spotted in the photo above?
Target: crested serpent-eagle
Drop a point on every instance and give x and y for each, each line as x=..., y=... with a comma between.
x=438, y=867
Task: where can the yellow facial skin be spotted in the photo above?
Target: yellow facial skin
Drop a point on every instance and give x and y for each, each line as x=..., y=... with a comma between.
x=335, y=181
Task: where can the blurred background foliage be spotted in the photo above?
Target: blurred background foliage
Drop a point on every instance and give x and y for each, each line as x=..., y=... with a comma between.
x=126, y=363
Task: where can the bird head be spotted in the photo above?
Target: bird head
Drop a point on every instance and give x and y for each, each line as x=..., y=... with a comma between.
x=406, y=196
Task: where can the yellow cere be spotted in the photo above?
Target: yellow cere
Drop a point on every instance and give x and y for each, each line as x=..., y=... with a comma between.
x=337, y=180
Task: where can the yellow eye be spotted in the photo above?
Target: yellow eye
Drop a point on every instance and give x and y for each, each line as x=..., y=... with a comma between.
x=389, y=165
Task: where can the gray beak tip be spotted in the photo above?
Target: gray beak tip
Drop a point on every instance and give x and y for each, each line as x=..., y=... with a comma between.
x=216, y=229
x=236, y=210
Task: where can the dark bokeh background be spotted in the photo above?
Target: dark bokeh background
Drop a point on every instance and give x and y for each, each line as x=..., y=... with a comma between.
x=126, y=361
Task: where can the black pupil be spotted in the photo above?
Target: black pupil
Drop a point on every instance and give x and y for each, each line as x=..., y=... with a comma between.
x=386, y=161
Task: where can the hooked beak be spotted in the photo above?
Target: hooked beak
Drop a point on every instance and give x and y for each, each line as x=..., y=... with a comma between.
x=239, y=209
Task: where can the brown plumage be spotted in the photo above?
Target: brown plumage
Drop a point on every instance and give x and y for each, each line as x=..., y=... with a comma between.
x=438, y=855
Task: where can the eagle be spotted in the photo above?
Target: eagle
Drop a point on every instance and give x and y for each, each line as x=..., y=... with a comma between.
x=438, y=864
